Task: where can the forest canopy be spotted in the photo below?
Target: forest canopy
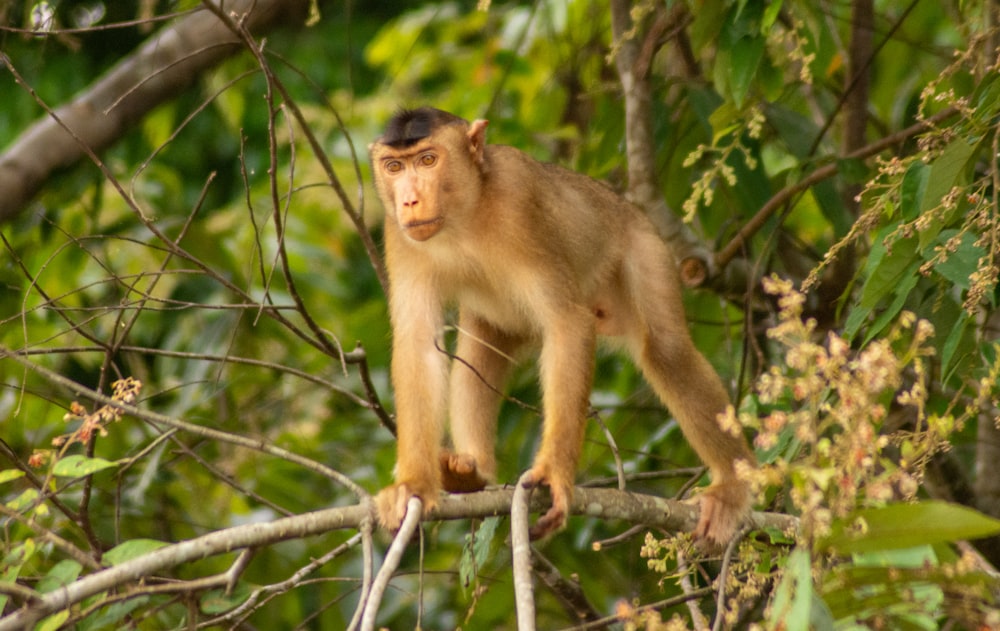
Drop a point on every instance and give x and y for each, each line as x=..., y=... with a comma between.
x=195, y=406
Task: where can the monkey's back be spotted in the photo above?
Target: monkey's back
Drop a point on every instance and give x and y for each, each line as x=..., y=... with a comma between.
x=576, y=217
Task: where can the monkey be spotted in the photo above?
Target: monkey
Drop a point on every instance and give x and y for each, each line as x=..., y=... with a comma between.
x=534, y=256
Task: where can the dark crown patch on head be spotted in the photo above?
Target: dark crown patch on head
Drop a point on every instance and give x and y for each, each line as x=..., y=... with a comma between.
x=410, y=126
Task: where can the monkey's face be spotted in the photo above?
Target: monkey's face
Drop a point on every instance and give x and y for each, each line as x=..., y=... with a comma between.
x=412, y=180
x=428, y=183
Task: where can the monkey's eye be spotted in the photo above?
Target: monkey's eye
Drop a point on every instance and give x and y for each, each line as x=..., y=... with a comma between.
x=393, y=166
x=428, y=159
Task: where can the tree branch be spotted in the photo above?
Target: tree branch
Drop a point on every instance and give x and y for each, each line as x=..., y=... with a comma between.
x=656, y=512
x=164, y=66
x=755, y=223
x=520, y=543
x=643, y=188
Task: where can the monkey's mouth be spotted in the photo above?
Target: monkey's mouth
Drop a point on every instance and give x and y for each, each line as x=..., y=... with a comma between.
x=423, y=229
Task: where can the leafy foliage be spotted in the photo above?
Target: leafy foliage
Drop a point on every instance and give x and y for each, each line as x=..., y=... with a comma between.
x=178, y=334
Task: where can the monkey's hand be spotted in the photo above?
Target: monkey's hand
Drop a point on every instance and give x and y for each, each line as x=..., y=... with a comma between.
x=459, y=473
x=561, y=489
x=391, y=502
x=725, y=505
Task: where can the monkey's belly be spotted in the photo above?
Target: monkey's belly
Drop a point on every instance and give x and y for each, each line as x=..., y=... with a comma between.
x=609, y=322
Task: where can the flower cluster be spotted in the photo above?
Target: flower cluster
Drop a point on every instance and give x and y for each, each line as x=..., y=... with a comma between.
x=124, y=391
x=703, y=189
x=825, y=410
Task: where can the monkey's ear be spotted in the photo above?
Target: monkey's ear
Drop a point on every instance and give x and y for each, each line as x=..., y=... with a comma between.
x=477, y=139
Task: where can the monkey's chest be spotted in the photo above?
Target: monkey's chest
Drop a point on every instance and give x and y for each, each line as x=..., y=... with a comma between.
x=504, y=307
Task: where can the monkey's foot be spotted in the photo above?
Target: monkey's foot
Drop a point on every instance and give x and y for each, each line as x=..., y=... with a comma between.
x=391, y=503
x=459, y=473
x=562, y=494
x=725, y=506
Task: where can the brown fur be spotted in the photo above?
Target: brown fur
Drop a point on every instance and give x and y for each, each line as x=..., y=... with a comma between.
x=533, y=254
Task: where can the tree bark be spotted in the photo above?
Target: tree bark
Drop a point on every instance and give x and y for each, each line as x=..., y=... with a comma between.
x=856, y=88
x=632, y=64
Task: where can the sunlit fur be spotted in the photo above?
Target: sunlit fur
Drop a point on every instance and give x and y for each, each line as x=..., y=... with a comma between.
x=534, y=255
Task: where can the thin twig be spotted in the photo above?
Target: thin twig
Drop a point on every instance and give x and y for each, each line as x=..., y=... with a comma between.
x=51, y=537
x=254, y=602
x=568, y=592
x=724, y=256
x=367, y=565
x=520, y=543
x=661, y=604
x=619, y=465
x=697, y=617
x=727, y=558
x=200, y=430
x=414, y=507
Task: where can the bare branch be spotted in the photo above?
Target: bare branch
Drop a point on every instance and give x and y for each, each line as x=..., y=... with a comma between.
x=414, y=507
x=607, y=504
x=755, y=223
x=198, y=430
x=727, y=558
x=567, y=591
x=219, y=542
x=168, y=63
x=520, y=544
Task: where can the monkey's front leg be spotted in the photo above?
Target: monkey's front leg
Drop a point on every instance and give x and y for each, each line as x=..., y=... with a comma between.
x=567, y=371
x=420, y=381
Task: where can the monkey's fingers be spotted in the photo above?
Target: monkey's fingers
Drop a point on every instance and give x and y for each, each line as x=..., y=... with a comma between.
x=562, y=493
x=391, y=504
x=724, y=507
x=459, y=473
x=548, y=523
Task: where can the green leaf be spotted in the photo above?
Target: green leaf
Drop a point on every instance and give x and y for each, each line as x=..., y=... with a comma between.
x=24, y=500
x=746, y=55
x=217, y=601
x=11, y=564
x=477, y=550
x=10, y=474
x=17, y=557
x=131, y=550
x=53, y=622
x=913, y=189
x=908, y=525
x=79, y=466
x=794, y=129
x=110, y=617
x=62, y=574
x=987, y=95
x=952, y=342
x=796, y=605
x=902, y=292
x=896, y=584
x=724, y=120
x=947, y=171
x=770, y=16
x=917, y=557
x=889, y=272
x=961, y=263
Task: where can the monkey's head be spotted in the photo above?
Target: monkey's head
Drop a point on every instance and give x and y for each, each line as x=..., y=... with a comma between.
x=428, y=167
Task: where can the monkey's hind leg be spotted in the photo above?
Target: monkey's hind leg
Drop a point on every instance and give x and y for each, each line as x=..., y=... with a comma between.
x=483, y=361
x=460, y=473
x=689, y=387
